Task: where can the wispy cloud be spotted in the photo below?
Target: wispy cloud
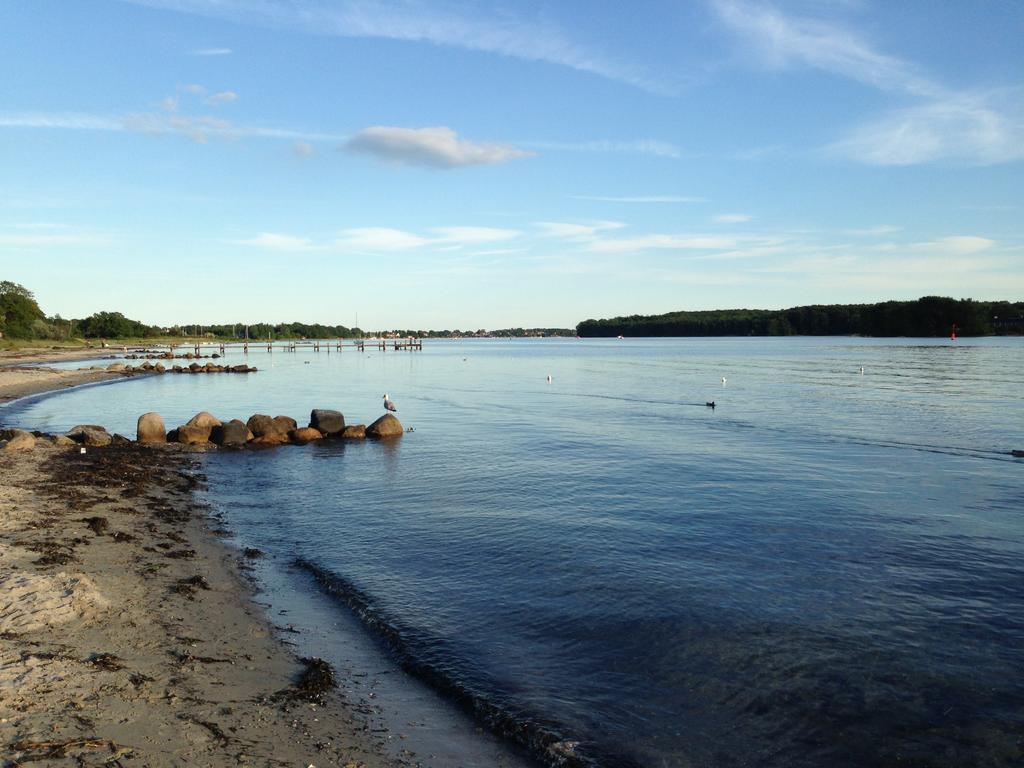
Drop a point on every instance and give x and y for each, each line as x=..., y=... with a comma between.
x=964, y=127
x=663, y=242
x=223, y=97
x=271, y=241
x=654, y=147
x=437, y=147
x=956, y=245
x=732, y=218
x=576, y=232
x=447, y=24
x=946, y=124
x=210, y=52
x=783, y=41
x=642, y=199
x=304, y=149
x=877, y=231
x=384, y=239
x=199, y=128
x=50, y=241
x=75, y=121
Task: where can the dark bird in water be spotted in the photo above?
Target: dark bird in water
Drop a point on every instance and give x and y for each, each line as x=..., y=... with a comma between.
x=389, y=404
x=710, y=404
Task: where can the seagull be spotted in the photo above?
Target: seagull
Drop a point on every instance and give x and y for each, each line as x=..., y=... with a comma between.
x=549, y=378
x=724, y=380
x=388, y=404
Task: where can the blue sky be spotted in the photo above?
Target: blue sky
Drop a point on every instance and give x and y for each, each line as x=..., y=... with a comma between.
x=486, y=164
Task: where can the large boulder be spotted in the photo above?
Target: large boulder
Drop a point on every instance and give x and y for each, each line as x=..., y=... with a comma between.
x=62, y=440
x=231, y=434
x=305, y=435
x=262, y=425
x=354, y=432
x=203, y=419
x=151, y=429
x=387, y=425
x=20, y=440
x=194, y=435
x=287, y=422
x=330, y=423
x=89, y=434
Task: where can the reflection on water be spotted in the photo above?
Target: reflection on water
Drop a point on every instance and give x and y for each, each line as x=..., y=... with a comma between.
x=826, y=569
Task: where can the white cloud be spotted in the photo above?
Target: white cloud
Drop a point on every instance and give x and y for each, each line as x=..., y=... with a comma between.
x=65, y=120
x=564, y=230
x=198, y=128
x=473, y=235
x=223, y=97
x=642, y=199
x=663, y=242
x=304, y=149
x=437, y=147
x=732, y=218
x=956, y=245
x=966, y=128
x=945, y=124
x=878, y=231
x=277, y=242
x=47, y=241
x=471, y=28
x=783, y=41
x=378, y=239
x=654, y=147
x=210, y=52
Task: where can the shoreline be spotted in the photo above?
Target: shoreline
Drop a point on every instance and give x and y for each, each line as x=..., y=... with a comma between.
x=18, y=380
x=208, y=605
x=128, y=629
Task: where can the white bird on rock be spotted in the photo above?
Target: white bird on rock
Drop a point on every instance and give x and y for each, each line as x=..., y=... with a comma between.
x=389, y=404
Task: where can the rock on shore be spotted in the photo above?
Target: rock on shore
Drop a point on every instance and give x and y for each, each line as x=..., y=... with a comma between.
x=387, y=425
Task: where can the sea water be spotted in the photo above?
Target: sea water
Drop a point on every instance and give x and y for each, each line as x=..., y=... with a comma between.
x=825, y=569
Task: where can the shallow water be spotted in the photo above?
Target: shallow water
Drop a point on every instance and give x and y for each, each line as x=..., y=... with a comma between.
x=825, y=569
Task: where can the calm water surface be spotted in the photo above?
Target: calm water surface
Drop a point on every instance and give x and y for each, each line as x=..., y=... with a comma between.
x=825, y=570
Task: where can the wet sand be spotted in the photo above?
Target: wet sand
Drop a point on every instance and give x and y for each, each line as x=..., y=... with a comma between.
x=127, y=630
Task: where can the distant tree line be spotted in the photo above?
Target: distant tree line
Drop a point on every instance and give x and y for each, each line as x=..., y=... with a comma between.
x=927, y=316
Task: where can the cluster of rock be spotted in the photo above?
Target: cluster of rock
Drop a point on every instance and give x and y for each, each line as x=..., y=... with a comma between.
x=152, y=355
x=206, y=430
x=260, y=430
x=193, y=368
x=83, y=434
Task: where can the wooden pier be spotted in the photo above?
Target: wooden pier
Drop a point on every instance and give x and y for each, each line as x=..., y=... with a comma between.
x=410, y=344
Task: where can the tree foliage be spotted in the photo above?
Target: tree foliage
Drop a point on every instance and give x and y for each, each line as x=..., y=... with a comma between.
x=19, y=311
x=927, y=316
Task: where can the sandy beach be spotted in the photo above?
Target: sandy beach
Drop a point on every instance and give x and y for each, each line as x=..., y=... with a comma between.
x=128, y=631
x=18, y=381
x=126, y=628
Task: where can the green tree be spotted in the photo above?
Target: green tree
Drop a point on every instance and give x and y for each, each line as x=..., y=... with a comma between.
x=18, y=311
